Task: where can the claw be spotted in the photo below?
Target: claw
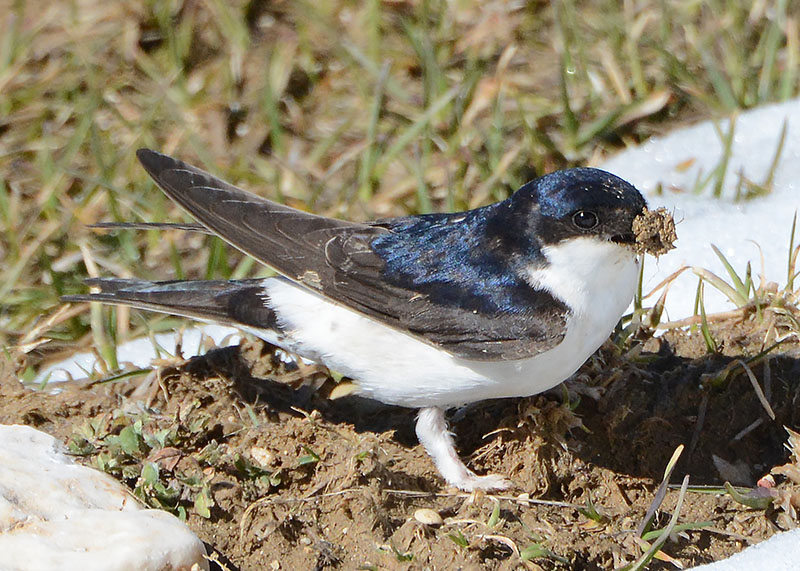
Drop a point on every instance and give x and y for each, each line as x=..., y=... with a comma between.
x=487, y=482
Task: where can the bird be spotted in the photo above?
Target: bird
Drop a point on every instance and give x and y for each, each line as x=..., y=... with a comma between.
x=429, y=311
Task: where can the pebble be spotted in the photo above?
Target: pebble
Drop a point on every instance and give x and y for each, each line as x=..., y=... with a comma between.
x=428, y=516
x=262, y=456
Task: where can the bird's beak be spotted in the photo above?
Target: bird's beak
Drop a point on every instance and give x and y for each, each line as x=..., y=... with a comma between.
x=627, y=239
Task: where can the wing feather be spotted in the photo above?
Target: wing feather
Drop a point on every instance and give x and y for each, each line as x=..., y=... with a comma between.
x=342, y=261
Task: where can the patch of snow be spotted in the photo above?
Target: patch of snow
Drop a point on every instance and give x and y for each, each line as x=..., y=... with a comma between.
x=140, y=353
x=742, y=230
x=781, y=552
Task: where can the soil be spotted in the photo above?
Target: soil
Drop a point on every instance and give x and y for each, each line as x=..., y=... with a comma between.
x=654, y=231
x=302, y=481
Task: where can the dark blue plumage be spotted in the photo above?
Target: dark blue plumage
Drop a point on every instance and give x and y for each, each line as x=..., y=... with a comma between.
x=478, y=260
x=563, y=192
x=455, y=259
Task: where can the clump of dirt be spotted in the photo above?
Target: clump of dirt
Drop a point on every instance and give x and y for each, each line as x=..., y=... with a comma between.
x=273, y=475
x=787, y=498
x=654, y=231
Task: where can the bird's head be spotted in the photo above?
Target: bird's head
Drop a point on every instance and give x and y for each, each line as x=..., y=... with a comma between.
x=582, y=202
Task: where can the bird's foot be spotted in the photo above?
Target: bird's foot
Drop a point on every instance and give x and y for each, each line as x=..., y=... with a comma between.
x=487, y=482
x=438, y=442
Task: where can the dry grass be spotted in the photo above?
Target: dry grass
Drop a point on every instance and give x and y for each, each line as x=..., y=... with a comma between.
x=357, y=111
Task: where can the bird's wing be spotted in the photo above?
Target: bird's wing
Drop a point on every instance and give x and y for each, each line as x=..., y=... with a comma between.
x=337, y=259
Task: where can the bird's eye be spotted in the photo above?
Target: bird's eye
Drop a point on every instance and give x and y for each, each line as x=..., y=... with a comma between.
x=585, y=220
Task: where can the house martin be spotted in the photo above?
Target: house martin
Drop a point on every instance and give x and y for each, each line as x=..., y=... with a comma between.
x=428, y=311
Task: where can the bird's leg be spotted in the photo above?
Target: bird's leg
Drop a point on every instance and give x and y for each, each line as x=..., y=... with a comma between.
x=438, y=442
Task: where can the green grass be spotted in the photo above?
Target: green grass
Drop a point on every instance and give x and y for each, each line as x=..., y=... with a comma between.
x=353, y=110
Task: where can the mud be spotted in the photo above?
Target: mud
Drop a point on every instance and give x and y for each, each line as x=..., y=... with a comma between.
x=655, y=232
x=299, y=481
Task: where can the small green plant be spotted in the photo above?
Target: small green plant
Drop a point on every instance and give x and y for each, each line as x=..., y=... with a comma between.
x=458, y=538
x=401, y=556
x=534, y=551
x=132, y=447
x=249, y=471
x=310, y=457
x=152, y=491
x=750, y=498
x=591, y=512
x=494, y=518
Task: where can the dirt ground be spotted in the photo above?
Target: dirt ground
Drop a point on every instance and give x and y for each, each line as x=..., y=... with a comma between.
x=290, y=479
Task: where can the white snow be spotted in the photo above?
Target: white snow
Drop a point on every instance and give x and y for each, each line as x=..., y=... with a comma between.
x=743, y=230
x=140, y=353
x=781, y=552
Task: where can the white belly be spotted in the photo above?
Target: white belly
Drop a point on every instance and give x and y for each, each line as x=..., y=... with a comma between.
x=598, y=281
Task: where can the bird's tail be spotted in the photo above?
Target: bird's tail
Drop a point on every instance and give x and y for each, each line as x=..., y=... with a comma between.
x=234, y=302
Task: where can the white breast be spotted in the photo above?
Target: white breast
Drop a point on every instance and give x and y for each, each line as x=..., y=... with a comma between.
x=597, y=279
